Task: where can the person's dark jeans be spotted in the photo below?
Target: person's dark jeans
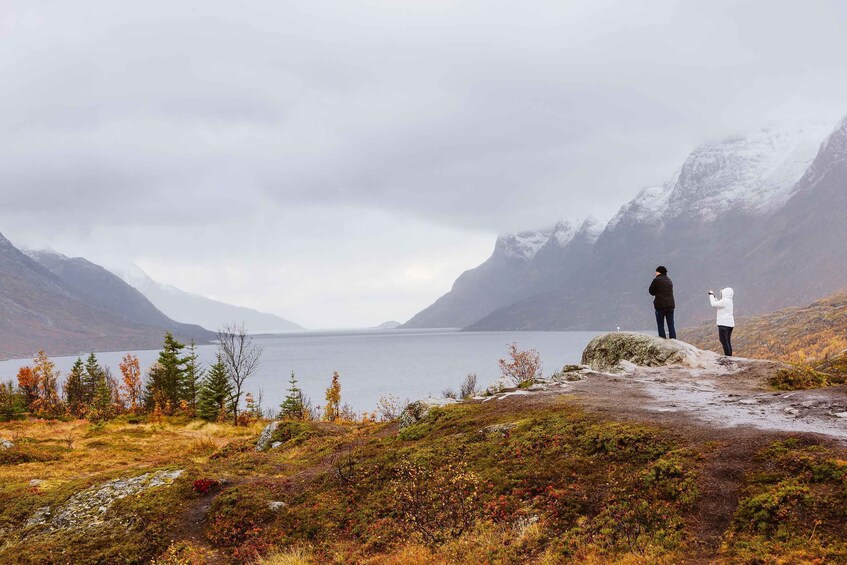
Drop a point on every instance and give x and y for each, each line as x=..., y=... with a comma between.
x=661, y=316
x=725, y=335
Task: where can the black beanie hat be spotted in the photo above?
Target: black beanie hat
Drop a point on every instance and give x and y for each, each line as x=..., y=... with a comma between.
x=662, y=270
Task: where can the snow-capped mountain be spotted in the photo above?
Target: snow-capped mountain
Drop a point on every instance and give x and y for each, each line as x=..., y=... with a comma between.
x=754, y=174
x=707, y=223
x=522, y=264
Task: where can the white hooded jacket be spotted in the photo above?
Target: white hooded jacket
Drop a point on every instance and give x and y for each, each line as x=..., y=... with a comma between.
x=725, y=307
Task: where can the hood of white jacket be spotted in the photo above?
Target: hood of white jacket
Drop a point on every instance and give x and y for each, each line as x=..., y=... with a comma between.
x=727, y=293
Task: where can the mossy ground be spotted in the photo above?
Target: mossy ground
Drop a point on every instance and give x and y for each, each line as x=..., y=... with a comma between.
x=560, y=486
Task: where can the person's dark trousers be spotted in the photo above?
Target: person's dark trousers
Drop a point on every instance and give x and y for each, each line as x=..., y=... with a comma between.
x=725, y=335
x=661, y=316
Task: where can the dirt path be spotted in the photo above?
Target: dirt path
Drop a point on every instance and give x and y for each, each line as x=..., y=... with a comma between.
x=735, y=396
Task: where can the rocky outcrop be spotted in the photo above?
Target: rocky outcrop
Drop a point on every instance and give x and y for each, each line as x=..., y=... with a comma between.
x=613, y=351
x=88, y=508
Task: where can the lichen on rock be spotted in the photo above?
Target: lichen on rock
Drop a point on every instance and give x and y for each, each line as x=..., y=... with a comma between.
x=416, y=411
x=87, y=508
x=265, y=437
x=6, y=444
x=608, y=351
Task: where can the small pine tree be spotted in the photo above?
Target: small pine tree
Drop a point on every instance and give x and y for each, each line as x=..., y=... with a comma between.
x=101, y=404
x=192, y=377
x=75, y=389
x=91, y=377
x=293, y=407
x=333, y=399
x=167, y=376
x=251, y=405
x=215, y=395
x=97, y=389
x=12, y=402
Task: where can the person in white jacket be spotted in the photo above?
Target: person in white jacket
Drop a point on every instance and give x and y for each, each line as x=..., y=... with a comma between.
x=726, y=320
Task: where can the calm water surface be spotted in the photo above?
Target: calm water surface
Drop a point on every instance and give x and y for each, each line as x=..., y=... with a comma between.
x=407, y=364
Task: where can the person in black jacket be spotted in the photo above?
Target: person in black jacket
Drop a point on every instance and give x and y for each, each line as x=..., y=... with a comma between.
x=662, y=289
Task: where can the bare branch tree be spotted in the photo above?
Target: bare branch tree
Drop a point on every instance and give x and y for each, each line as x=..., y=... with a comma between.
x=240, y=357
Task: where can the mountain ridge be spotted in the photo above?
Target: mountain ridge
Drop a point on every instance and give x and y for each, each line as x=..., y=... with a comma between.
x=41, y=310
x=206, y=312
x=705, y=223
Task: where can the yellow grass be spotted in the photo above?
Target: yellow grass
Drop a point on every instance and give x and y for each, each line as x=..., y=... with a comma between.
x=117, y=447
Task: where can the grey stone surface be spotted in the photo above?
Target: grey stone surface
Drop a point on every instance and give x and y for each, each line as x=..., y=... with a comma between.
x=265, y=437
x=417, y=411
x=87, y=508
x=608, y=351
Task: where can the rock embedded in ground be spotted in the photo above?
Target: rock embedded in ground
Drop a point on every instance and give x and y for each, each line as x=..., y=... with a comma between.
x=417, y=411
x=499, y=429
x=614, y=351
x=265, y=437
x=86, y=508
x=6, y=444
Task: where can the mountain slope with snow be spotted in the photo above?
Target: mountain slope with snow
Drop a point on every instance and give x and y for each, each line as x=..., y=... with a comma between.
x=521, y=264
x=706, y=224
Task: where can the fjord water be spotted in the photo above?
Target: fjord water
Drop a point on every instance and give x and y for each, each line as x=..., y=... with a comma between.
x=407, y=364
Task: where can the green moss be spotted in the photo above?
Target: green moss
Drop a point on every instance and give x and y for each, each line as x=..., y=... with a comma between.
x=293, y=432
x=29, y=452
x=624, y=441
x=795, y=504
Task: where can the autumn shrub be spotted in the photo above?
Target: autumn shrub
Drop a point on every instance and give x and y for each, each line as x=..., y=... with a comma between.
x=205, y=486
x=798, y=377
x=439, y=503
x=769, y=510
x=836, y=367
x=469, y=387
x=31, y=452
x=290, y=556
x=238, y=516
x=183, y=553
x=621, y=441
x=794, y=506
x=522, y=367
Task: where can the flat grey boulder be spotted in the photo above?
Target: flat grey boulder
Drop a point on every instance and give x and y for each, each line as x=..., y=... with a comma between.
x=87, y=508
x=617, y=351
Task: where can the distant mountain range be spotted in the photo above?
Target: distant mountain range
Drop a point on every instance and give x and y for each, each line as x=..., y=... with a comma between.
x=211, y=314
x=68, y=306
x=763, y=213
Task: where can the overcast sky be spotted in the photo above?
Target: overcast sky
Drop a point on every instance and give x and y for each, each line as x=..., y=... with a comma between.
x=339, y=163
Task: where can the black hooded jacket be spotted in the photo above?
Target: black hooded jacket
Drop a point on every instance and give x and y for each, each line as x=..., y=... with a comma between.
x=662, y=289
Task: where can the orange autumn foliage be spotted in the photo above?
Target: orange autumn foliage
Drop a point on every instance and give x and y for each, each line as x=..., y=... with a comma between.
x=131, y=373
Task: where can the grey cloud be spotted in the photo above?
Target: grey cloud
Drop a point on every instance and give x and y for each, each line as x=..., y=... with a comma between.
x=182, y=120
x=464, y=114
